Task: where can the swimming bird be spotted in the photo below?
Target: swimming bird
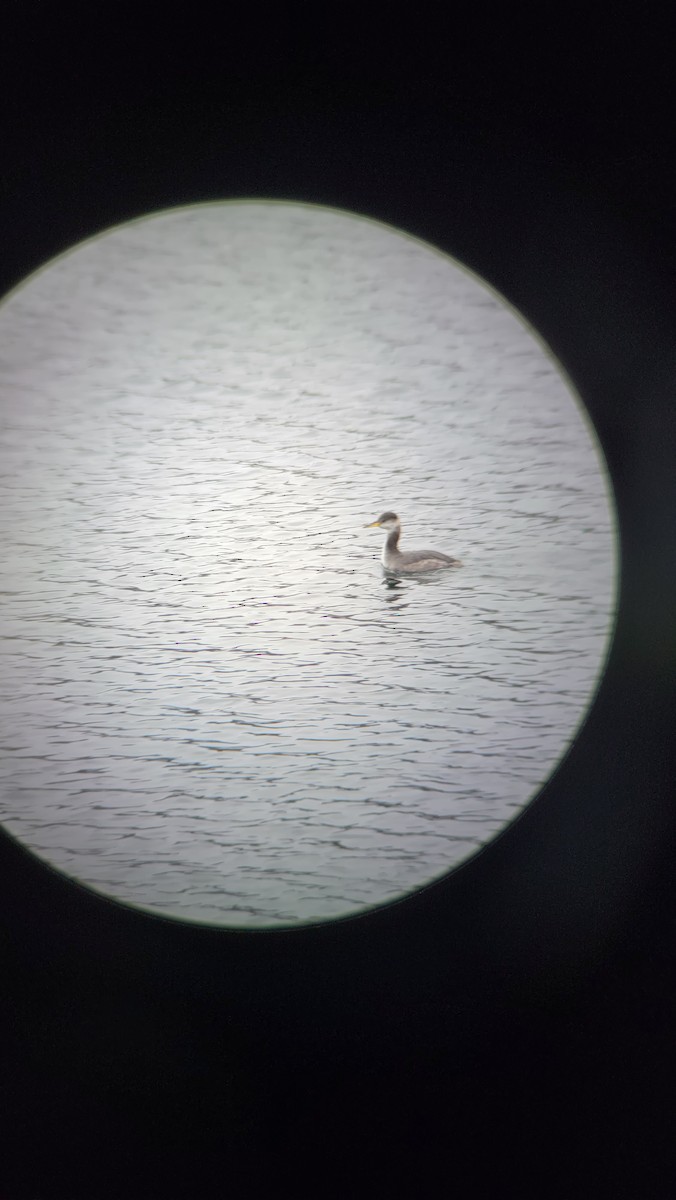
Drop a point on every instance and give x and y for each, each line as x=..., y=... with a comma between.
x=405, y=561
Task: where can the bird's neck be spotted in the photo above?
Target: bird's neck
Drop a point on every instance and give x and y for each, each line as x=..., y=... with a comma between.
x=392, y=539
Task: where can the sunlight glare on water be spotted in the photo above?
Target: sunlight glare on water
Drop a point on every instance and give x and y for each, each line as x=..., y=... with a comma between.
x=215, y=706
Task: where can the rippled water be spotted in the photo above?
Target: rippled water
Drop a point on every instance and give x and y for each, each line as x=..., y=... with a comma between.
x=214, y=705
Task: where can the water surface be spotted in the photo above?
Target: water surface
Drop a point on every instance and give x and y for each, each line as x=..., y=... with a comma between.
x=214, y=705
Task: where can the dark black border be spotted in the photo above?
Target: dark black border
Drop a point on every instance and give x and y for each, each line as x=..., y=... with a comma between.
x=509, y=1028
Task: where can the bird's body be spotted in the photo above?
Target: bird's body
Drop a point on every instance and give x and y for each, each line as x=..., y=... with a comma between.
x=407, y=561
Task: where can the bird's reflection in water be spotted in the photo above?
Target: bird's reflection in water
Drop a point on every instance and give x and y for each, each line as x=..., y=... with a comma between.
x=395, y=591
x=396, y=587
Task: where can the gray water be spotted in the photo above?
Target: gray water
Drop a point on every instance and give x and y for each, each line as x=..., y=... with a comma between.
x=214, y=704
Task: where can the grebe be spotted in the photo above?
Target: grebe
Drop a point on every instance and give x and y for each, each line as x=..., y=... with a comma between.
x=404, y=561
